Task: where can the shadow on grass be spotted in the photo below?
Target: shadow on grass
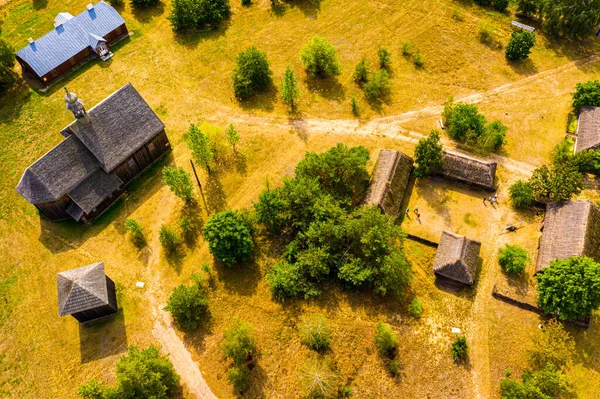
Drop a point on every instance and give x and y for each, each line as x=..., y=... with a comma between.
x=587, y=344
x=518, y=282
x=103, y=339
x=191, y=212
x=216, y=199
x=192, y=38
x=299, y=126
x=39, y=4
x=241, y=279
x=147, y=14
x=263, y=100
x=525, y=67
x=256, y=382
x=327, y=87
x=197, y=337
x=175, y=258
x=12, y=101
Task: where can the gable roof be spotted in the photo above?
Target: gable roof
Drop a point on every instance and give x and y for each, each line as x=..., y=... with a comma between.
x=121, y=124
x=457, y=258
x=82, y=289
x=69, y=37
x=570, y=228
x=469, y=170
x=94, y=189
x=588, y=129
x=58, y=171
x=389, y=181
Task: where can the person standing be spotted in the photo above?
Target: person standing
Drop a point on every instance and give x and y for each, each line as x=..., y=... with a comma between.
x=416, y=210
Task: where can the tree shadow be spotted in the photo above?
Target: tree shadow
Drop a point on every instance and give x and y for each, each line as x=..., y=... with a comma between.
x=240, y=163
x=430, y=191
x=299, y=126
x=310, y=8
x=241, y=279
x=175, y=258
x=39, y=4
x=147, y=14
x=216, y=199
x=191, y=211
x=13, y=100
x=518, y=282
x=587, y=344
x=197, y=337
x=192, y=38
x=256, y=383
x=327, y=87
x=103, y=339
x=525, y=67
x=263, y=100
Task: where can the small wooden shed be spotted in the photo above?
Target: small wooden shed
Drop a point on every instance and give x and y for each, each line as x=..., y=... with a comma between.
x=588, y=129
x=389, y=181
x=571, y=228
x=456, y=260
x=470, y=171
x=86, y=293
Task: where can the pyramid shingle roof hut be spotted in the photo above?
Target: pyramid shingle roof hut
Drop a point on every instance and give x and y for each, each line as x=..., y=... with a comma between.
x=456, y=259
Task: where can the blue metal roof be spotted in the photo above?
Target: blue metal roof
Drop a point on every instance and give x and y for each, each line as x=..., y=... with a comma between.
x=69, y=38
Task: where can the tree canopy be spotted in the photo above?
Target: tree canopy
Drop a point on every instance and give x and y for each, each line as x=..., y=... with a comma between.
x=197, y=14
x=556, y=183
x=586, y=93
x=519, y=46
x=569, y=288
x=179, y=182
x=201, y=147
x=252, y=73
x=513, y=259
x=289, y=88
x=7, y=62
x=188, y=304
x=229, y=237
x=428, y=155
x=320, y=58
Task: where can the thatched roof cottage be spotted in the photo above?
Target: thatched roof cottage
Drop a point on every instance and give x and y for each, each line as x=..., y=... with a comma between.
x=588, y=129
x=389, y=181
x=456, y=259
x=104, y=149
x=469, y=171
x=570, y=228
x=86, y=293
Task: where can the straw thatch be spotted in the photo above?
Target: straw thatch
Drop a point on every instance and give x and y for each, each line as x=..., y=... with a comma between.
x=389, y=181
x=570, y=229
x=457, y=258
x=470, y=171
x=588, y=129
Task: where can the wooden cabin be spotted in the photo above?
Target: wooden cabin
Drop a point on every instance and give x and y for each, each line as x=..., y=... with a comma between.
x=104, y=149
x=570, y=229
x=73, y=41
x=469, y=171
x=389, y=181
x=456, y=260
x=86, y=293
x=588, y=129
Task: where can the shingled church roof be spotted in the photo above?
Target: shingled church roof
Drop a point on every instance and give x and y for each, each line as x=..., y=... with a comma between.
x=457, y=258
x=82, y=289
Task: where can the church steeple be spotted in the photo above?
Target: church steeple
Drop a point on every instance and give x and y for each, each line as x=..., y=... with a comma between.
x=75, y=105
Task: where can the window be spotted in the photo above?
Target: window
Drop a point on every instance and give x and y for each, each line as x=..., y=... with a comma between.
x=131, y=163
x=118, y=30
x=72, y=60
x=86, y=52
x=54, y=73
x=151, y=147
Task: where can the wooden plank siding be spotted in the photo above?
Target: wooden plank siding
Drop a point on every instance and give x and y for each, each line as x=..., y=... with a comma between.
x=55, y=210
x=142, y=158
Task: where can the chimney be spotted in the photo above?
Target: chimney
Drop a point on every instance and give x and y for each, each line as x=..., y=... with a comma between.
x=31, y=41
x=90, y=7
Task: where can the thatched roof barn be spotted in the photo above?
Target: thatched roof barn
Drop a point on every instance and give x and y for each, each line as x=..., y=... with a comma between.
x=570, y=228
x=588, y=129
x=104, y=149
x=469, y=171
x=389, y=181
x=456, y=259
x=86, y=293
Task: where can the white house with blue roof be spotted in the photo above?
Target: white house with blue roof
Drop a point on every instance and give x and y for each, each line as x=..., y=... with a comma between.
x=74, y=40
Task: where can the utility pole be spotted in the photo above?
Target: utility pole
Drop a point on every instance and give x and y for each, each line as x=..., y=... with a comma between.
x=199, y=185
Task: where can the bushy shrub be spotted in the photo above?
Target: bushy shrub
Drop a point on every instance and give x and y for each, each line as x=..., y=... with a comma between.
x=136, y=232
x=168, y=238
x=501, y=5
x=385, y=58
x=394, y=367
x=407, y=48
x=320, y=58
x=418, y=59
x=314, y=331
x=188, y=304
x=587, y=93
x=179, y=182
x=493, y=137
x=361, y=72
x=197, y=14
x=238, y=342
x=428, y=155
x=513, y=259
x=318, y=380
x=92, y=390
x=203, y=150
x=385, y=339
x=378, y=85
x=143, y=3
x=354, y=107
x=252, y=73
x=238, y=377
x=521, y=194
x=519, y=46
x=463, y=121
x=117, y=3
x=416, y=307
x=460, y=349
x=229, y=238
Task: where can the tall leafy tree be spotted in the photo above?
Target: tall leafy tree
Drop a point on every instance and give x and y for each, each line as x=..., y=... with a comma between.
x=229, y=238
x=428, y=155
x=201, y=147
x=587, y=93
x=289, y=88
x=361, y=72
x=7, y=62
x=197, y=14
x=320, y=58
x=519, y=46
x=252, y=73
x=188, y=304
x=569, y=288
x=464, y=121
x=575, y=18
x=233, y=136
x=179, y=181
x=557, y=183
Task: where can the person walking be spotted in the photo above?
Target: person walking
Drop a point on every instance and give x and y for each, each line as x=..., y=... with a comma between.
x=406, y=213
x=419, y=217
x=416, y=210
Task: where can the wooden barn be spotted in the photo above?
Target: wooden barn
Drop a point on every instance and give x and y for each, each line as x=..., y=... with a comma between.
x=389, y=181
x=86, y=293
x=104, y=149
x=570, y=228
x=588, y=129
x=469, y=171
x=456, y=260
x=73, y=41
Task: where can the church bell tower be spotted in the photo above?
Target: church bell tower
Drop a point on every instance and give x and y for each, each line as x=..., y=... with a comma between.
x=75, y=105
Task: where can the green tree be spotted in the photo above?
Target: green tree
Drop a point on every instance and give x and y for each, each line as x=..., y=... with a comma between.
x=501, y=5
x=318, y=380
x=483, y=2
x=385, y=58
x=552, y=346
x=145, y=373
x=201, y=147
x=7, y=62
x=136, y=232
x=575, y=18
x=528, y=8
x=354, y=107
x=229, y=238
x=92, y=390
x=197, y=14
x=143, y=3
x=188, y=304
x=587, y=93
x=519, y=46
x=460, y=349
x=385, y=339
x=289, y=88
x=361, y=72
x=558, y=183
x=569, y=288
x=320, y=58
x=378, y=85
x=418, y=59
x=521, y=194
x=314, y=331
x=238, y=377
x=179, y=182
x=493, y=137
x=428, y=155
x=233, y=136
x=513, y=259
x=464, y=121
x=168, y=238
x=238, y=342
x=252, y=73
x=416, y=307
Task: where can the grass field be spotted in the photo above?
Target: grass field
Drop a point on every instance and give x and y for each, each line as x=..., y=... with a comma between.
x=186, y=78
